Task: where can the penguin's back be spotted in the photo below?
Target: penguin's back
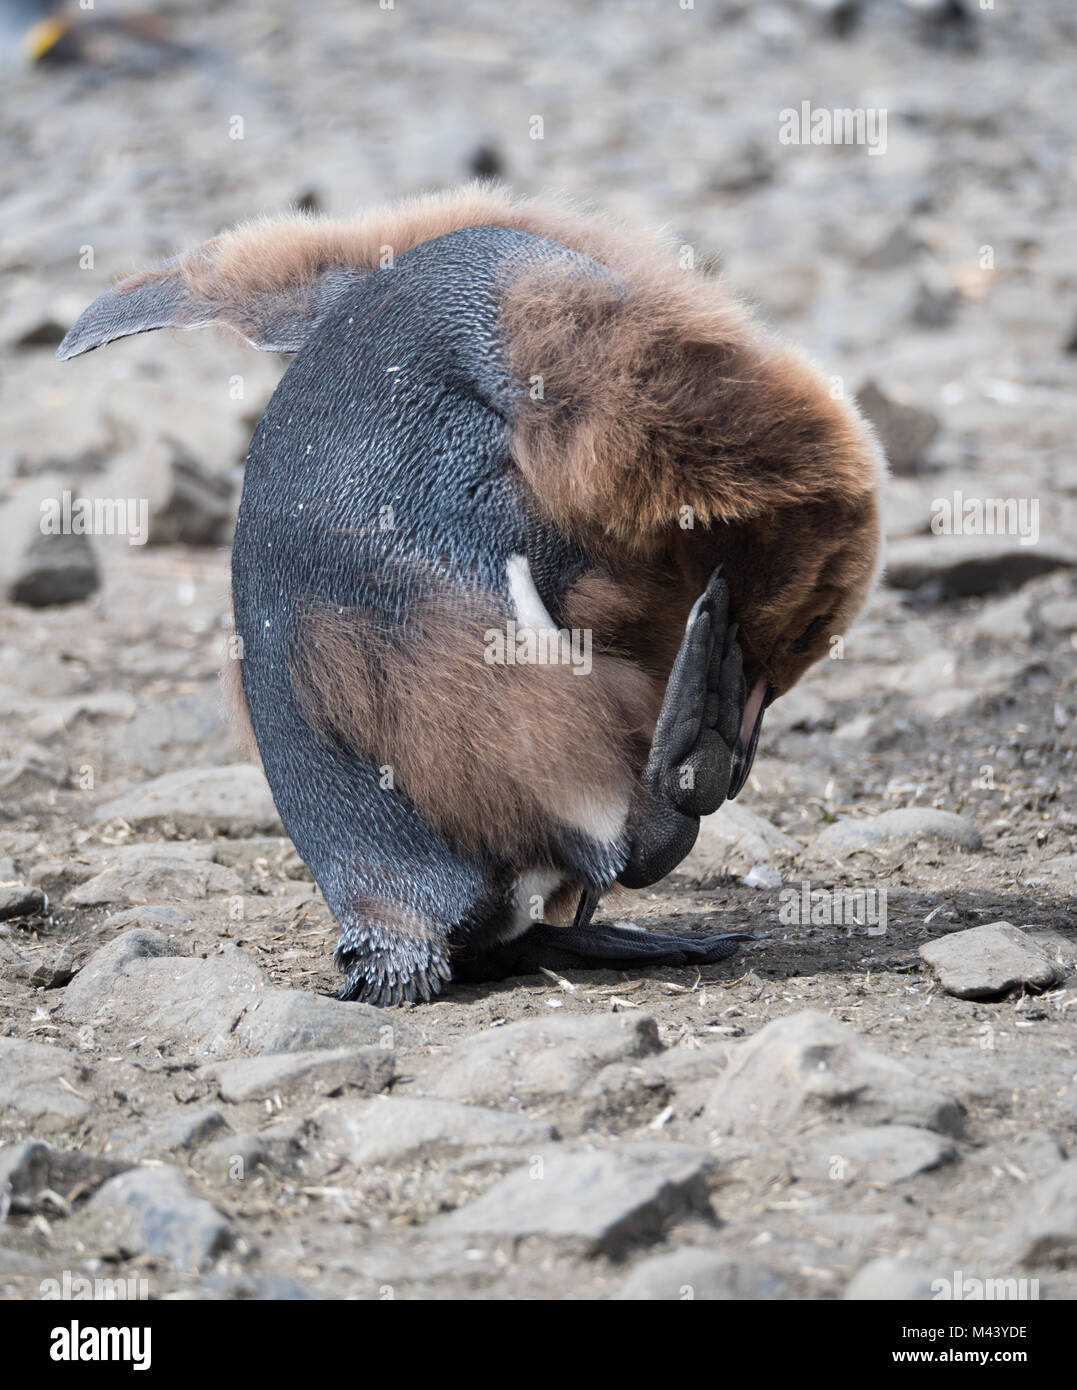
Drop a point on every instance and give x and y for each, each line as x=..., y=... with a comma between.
x=389, y=435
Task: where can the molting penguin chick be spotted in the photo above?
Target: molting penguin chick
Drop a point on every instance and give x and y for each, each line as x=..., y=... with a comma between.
x=533, y=529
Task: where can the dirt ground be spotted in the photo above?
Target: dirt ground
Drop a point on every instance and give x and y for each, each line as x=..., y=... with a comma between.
x=957, y=694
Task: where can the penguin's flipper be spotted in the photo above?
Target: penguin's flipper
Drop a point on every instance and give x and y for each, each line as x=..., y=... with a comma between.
x=274, y=279
x=592, y=947
x=192, y=291
x=698, y=757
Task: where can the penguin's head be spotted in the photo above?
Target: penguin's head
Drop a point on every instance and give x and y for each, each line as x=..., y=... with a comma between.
x=798, y=579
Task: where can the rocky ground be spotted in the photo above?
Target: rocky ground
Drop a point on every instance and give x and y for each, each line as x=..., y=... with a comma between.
x=845, y=1109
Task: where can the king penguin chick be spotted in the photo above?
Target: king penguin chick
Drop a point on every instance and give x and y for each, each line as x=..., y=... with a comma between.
x=535, y=526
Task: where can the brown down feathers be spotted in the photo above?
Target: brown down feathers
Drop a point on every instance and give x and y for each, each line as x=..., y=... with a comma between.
x=670, y=432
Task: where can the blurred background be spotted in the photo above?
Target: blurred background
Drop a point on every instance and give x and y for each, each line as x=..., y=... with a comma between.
x=933, y=277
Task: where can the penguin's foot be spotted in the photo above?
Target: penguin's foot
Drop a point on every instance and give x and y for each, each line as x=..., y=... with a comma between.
x=591, y=947
x=374, y=982
x=392, y=959
x=698, y=755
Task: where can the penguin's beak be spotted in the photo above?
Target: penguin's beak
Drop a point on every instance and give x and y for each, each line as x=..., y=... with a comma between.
x=759, y=697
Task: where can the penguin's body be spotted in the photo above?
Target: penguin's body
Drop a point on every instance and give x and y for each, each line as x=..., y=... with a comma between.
x=438, y=526
x=489, y=668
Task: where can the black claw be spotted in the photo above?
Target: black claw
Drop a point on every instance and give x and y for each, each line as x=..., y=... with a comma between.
x=585, y=910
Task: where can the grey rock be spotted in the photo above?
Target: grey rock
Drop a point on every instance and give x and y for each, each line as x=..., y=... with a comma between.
x=931, y=670
x=1004, y=621
x=1044, y=1230
x=538, y=1059
x=15, y=963
x=304, y=1074
x=808, y=1066
x=31, y=1169
x=686, y=1064
x=43, y=331
x=19, y=900
x=54, y=570
x=623, y=1094
x=233, y=800
x=938, y=705
x=192, y=721
x=294, y=1020
x=1059, y=867
x=888, y=1278
x=894, y=830
x=735, y=840
x=905, y=509
x=182, y=1133
x=150, y=916
x=597, y=1201
x=53, y=717
x=799, y=708
x=632, y=1093
x=138, y=983
x=898, y=248
x=276, y=850
x=935, y=302
x=390, y=1129
x=57, y=875
x=742, y=166
x=972, y=566
x=269, y=1288
x=879, y=1153
x=858, y=729
x=946, y=26
x=97, y=975
x=155, y=878
x=905, y=431
x=283, y=1147
x=990, y=960
x=1036, y=1154
x=153, y=1211
x=38, y=568
x=41, y=1084
x=21, y=1274
x=763, y=876
x=31, y=771
x=692, y=1274
x=193, y=506
x=52, y=969
x=1059, y=614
